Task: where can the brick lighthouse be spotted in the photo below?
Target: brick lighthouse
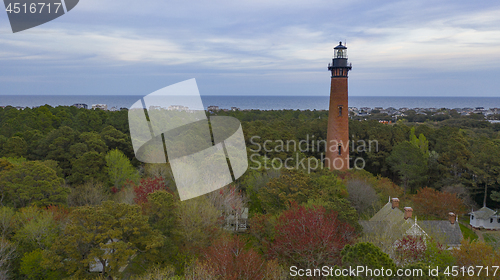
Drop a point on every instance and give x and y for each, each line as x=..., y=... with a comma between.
x=337, y=148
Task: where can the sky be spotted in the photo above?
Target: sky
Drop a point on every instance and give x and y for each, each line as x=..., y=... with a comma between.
x=122, y=47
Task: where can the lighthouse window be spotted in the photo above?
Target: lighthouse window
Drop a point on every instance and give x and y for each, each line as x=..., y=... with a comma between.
x=340, y=111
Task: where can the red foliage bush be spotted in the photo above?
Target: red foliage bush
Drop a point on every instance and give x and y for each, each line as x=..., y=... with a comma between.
x=410, y=249
x=59, y=213
x=147, y=186
x=310, y=237
x=432, y=203
x=228, y=259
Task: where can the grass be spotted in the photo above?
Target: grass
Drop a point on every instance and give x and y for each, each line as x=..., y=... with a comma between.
x=492, y=239
x=467, y=232
x=489, y=238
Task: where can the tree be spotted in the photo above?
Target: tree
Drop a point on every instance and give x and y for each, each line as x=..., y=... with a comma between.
x=382, y=186
x=231, y=202
x=31, y=183
x=37, y=229
x=495, y=196
x=7, y=222
x=437, y=254
x=475, y=253
x=146, y=187
x=280, y=192
x=15, y=147
x=485, y=164
x=119, y=169
x=56, y=146
x=7, y=252
x=110, y=234
x=361, y=195
x=44, y=120
x=410, y=249
x=94, y=142
x=420, y=142
x=90, y=193
x=410, y=163
x=432, y=203
x=295, y=186
x=345, y=212
x=116, y=139
x=5, y=165
x=157, y=273
x=89, y=166
x=198, y=222
x=310, y=237
x=262, y=230
x=366, y=255
x=227, y=258
x=153, y=170
x=382, y=134
x=31, y=266
x=161, y=209
x=87, y=120
x=452, y=147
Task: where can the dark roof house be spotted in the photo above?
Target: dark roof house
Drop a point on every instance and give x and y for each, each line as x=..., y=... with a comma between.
x=391, y=224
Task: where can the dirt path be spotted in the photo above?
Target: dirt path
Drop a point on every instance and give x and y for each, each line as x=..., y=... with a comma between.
x=479, y=234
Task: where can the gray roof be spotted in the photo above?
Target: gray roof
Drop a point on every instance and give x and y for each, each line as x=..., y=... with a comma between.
x=443, y=231
x=387, y=213
x=483, y=213
x=385, y=219
x=373, y=227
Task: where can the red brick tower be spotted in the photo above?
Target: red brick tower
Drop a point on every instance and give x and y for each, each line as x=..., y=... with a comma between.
x=337, y=148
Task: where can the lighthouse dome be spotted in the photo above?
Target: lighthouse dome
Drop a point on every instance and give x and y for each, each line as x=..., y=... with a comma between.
x=340, y=46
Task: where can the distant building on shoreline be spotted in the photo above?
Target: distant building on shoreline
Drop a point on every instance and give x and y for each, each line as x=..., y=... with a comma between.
x=177, y=108
x=80, y=105
x=100, y=106
x=213, y=108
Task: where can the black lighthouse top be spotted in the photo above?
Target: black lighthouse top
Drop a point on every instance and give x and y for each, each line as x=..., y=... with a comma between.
x=339, y=66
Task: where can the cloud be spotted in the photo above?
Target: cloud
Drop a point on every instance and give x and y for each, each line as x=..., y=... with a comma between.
x=265, y=39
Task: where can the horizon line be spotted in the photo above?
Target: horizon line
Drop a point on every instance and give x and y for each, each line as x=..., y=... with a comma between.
x=260, y=95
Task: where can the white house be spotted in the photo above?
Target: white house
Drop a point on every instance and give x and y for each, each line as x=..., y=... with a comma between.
x=485, y=218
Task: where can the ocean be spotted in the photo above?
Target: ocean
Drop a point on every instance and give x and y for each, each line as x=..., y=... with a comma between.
x=262, y=102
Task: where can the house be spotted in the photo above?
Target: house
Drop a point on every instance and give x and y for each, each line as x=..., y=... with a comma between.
x=213, y=108
x=154, y=108
x=100, y=106
x=81, y=105
x=237, y=220
x=177, y=108
x=485, y=218
x=391, y=224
